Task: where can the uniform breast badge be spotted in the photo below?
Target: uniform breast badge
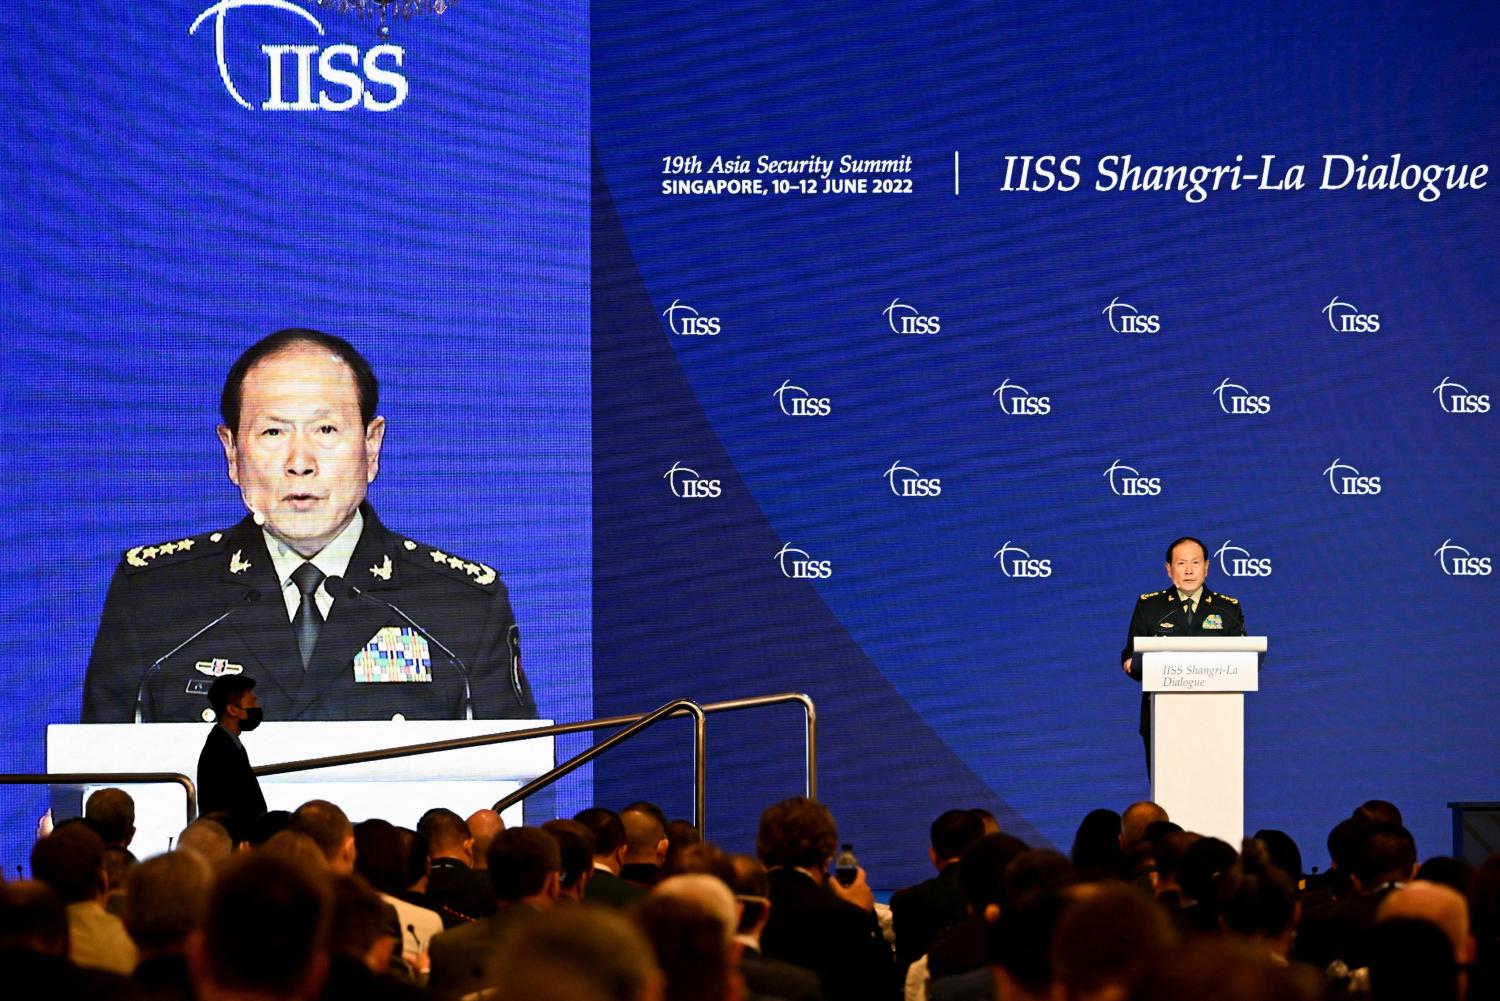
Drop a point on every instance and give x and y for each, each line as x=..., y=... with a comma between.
x=1213, y=622
x=395, y=654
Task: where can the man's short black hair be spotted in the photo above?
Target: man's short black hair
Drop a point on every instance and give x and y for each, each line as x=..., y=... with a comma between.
x=234, y=382
x=608, y=829
x=1186, y=538
x=575, y=843
x=520, y=859
x=228, y=688
x=1387, y=853
x=981, y=870
x=71, y=861
x=954, y=831
x=267, y=923
x=443, y=829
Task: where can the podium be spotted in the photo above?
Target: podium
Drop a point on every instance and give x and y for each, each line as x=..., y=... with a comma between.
x=1197, y=685
x=399, y=790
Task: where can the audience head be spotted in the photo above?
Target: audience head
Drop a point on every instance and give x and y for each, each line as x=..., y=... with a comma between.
x=691, y=942
x=118, y=862
x=380, y=856
x=594, y=945
x=71, y=861
x=358, y=927
x=1202, y=861
x=208, y=838
x=609, y=835
x=525, y=866
x=327, y=825
x=645, y=835
x=1282, y=851
x=987, y=820
x=953, y=833
x=703, y=857
x=33, y=918
x=708, y=893
x=1449, y=871
x=1137, y=818
x=1257, y=899
x=1169, y=852
x=1096, y=846
x=265, y=933
x=1439, y=905
x=259, y=831
x=418, y=862
x=296, y=848
x=483, y=826
x=575, y=845
x=1208, y=967
x=752, y=890
x=447, y=834
x=1107, y=939
x=982, y=868
x=1378, y=811
x=1411, y=959
x=165, y=901
x=680, y=834
x=1037, y=871
x=1343, y=843
x=1018, y=945
x=112, y=814
x=1387, y=854
x=796, y=832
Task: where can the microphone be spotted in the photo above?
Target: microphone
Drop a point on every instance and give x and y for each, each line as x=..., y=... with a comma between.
x=250, y=597
x=339, y=587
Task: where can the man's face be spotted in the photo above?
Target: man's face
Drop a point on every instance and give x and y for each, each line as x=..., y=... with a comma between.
x=1188, y=568
x=301, y=456
x=247, y=701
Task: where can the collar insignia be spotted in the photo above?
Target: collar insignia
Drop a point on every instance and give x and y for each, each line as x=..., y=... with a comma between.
x=383, y=571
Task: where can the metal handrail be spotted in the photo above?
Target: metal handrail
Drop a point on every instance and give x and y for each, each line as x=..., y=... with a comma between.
x=675, y=707
x=810, y=720
x=119, y=778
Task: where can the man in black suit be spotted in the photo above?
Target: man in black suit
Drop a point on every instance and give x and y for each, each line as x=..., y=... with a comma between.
x=605, y=885
x=1387, y=860
x=272, y=594
x=817, y=922
x=922, y=912
x=1187, y=608
x=763, y=976
x=226, y=783
x=455, y=889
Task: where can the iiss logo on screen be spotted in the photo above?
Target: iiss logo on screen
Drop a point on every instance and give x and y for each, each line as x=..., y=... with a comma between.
x=1345, y=318
x=689, y=484
x=1237, y=400
x=904, y=318
x=1457, y=561
x=795, y=401
x=1127, y=481
x=797, y=564
x=1126, y=319
x=344, y=75
x=907, y=482
x=685, y=321
x=1346, y=481
x=1455, y=398
x=1021, y=402
x=1236, y=561
x=1017, y=562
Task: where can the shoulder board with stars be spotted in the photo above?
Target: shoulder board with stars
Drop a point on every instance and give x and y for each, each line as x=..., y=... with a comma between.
x=139, y=558
x=480, y=575
x=1154, y=594
x=1223, y=597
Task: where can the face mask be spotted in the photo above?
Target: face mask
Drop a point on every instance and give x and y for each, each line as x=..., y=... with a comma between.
x=252, y=719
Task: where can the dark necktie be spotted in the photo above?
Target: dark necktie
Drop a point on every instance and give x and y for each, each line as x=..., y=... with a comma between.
x=1187, y=611
x=309, y=620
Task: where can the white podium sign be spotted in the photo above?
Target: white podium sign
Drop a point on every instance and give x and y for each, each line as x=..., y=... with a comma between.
x=398, y=789
x=1196, y=685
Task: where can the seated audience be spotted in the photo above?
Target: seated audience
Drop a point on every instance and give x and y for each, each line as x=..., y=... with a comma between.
x=1096, y=850
x=34, y=950
x=165, y=903
x=575, y=845
x=592, y=946
x=361, y=947
x=1258, y=901
x=921, y=912
x=645, y=843
x=380, y=856
x=1107, y=939
x=71, y=861
x=1385, y=860
x=764, y=976
x=483, y=826
x=689, y=920
x=208, y=838
x=605, y=885
x=455, y=889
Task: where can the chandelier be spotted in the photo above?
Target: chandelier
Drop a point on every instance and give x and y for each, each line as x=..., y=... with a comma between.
x=403, y=9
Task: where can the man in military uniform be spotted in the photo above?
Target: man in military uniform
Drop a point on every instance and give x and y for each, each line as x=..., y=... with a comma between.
x=1187, y=608
x=338, y=617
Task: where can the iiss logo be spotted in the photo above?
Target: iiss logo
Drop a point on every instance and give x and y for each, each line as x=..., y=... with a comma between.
x=1126, y=319
x=1456, y=399
x=907, y=482
x=795, y=401
x=1236, y=561
x=796, y=564
x=689, y=484
x=1019, y=401
x=347, y=77
x=1127, y=481
x=905, y=318
x=1236, y=399
x=1457, y=561
x=685, y=321
x=1345, y=318
x=1017, y=562
x=1346, y=481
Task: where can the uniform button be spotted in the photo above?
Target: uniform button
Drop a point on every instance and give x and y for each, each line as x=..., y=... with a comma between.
x=208, y=715
x=398, y=718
